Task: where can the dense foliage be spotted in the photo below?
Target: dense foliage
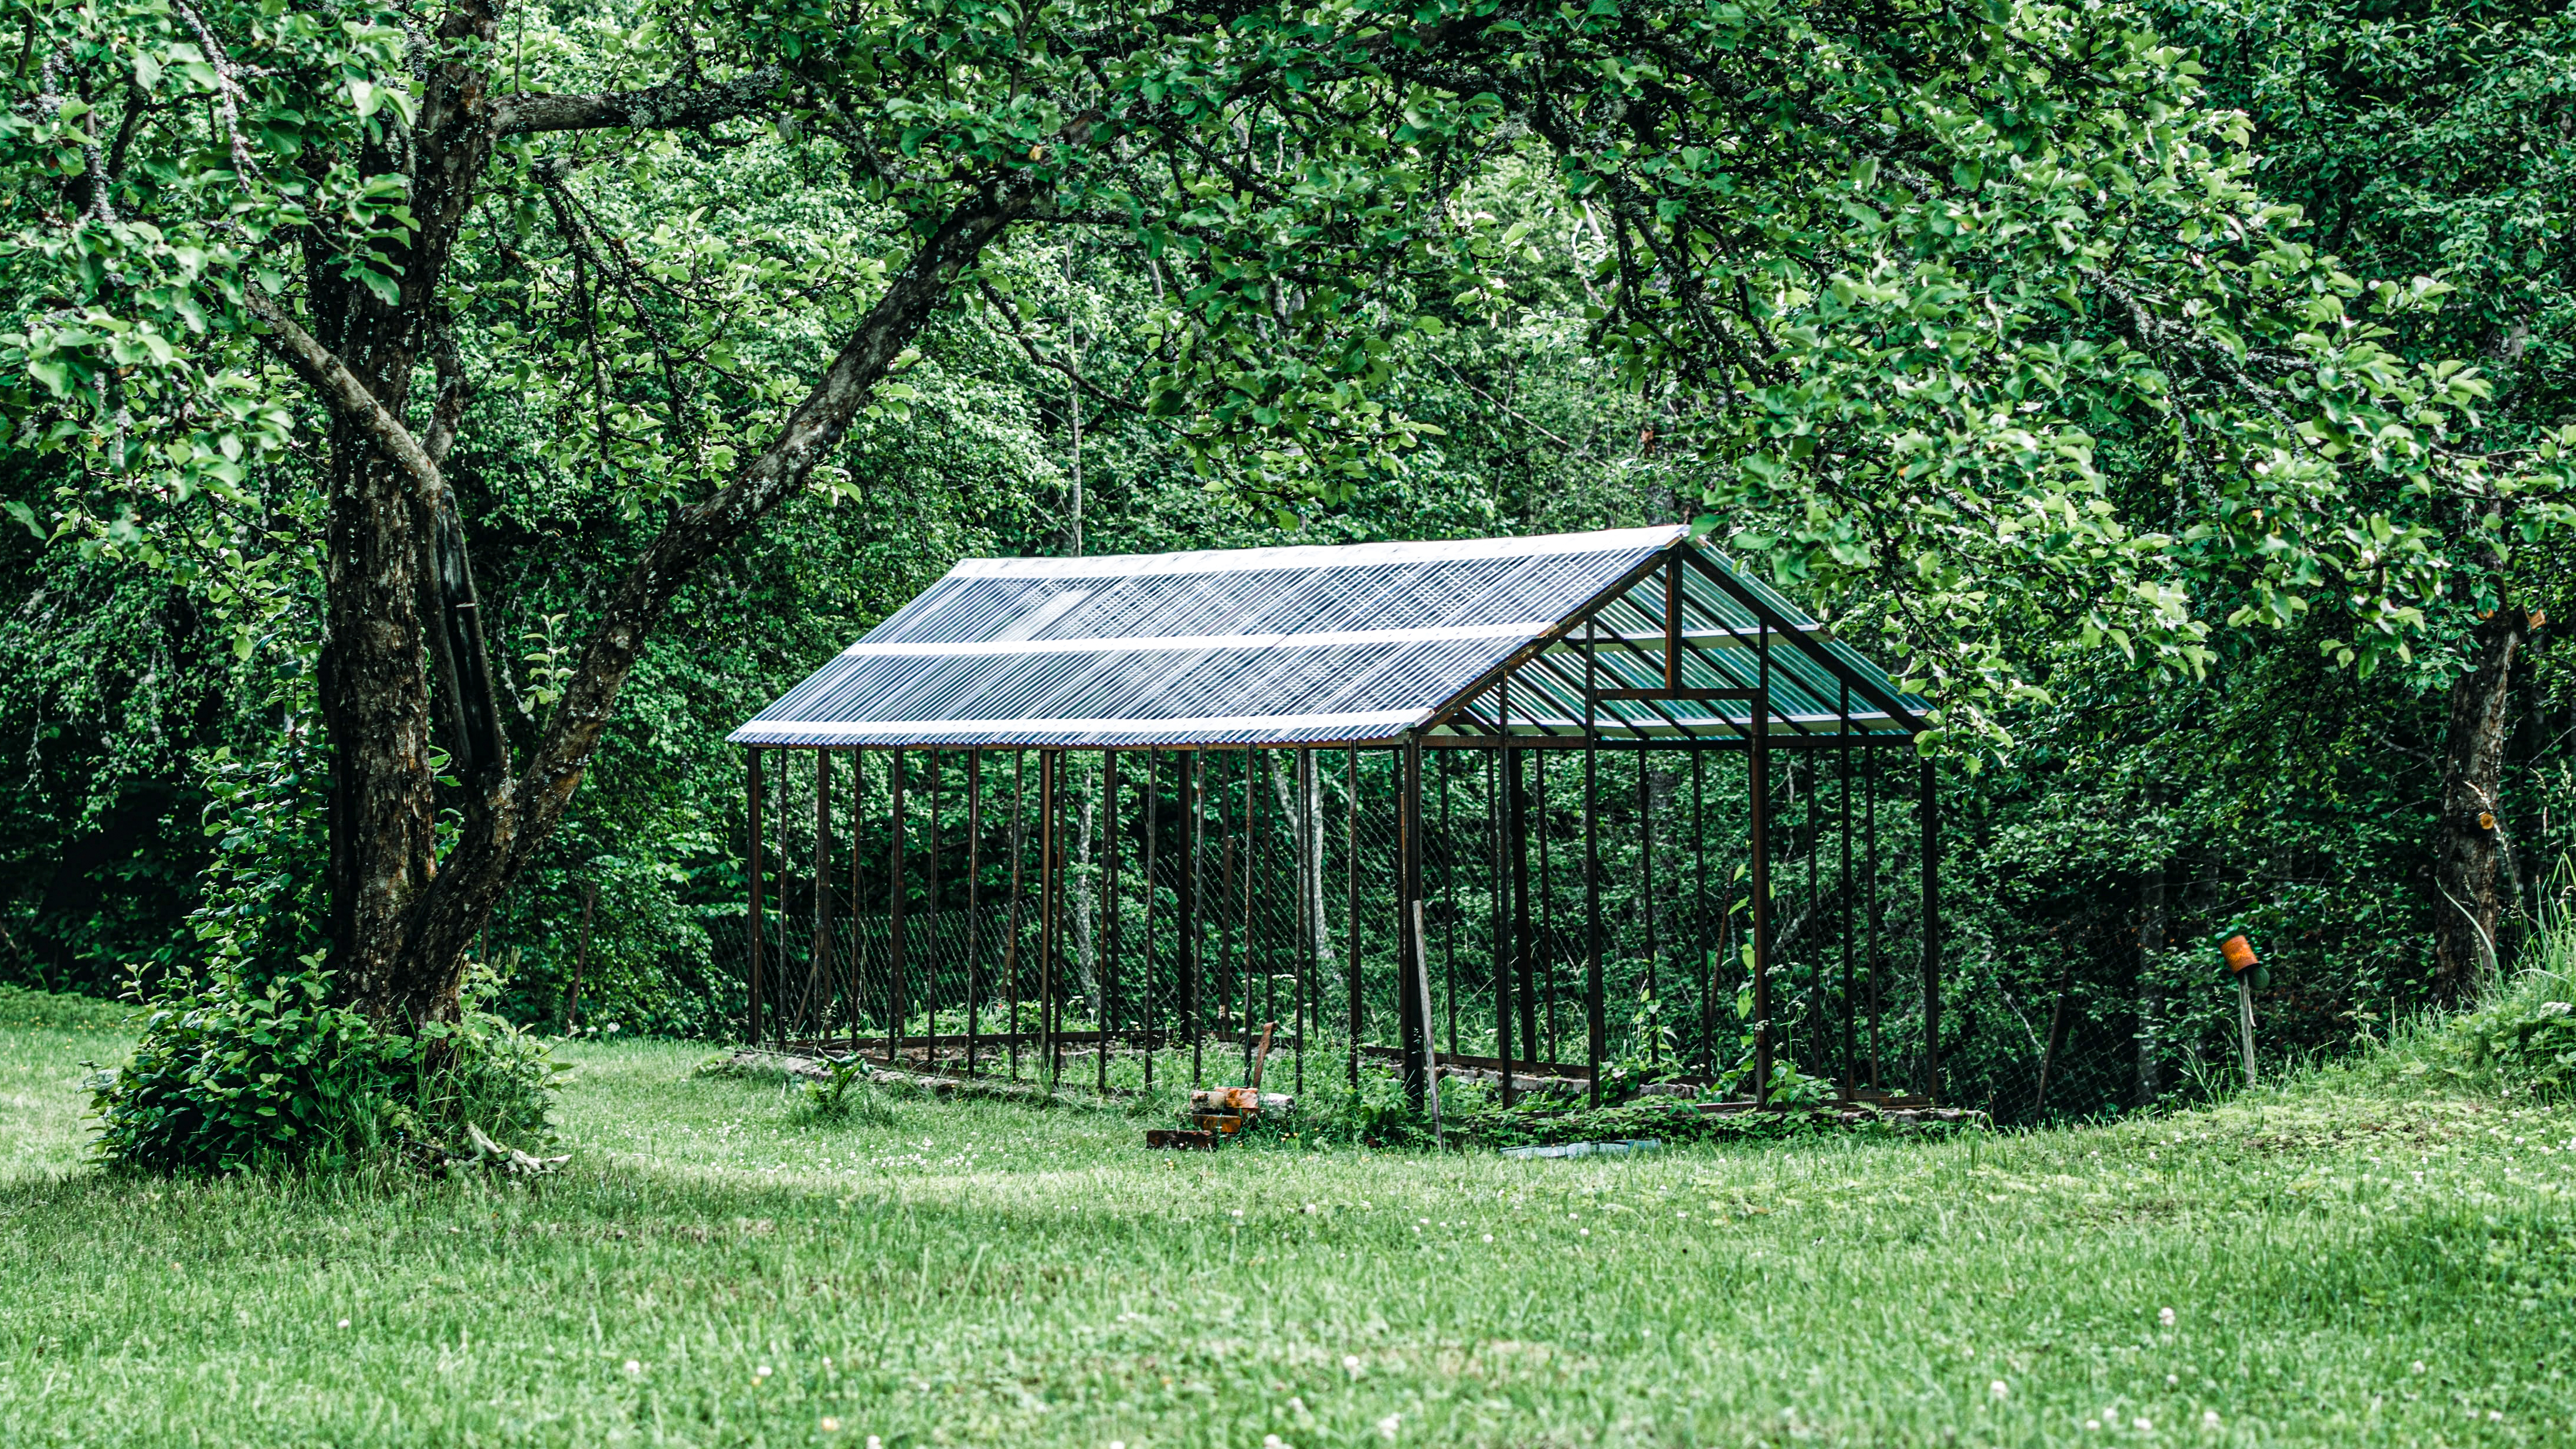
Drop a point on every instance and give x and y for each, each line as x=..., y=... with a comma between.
x=2102, y=365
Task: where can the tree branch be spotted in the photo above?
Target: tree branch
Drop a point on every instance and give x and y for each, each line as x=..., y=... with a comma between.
x=671, y=106
x=343, y=392
x=701, y=532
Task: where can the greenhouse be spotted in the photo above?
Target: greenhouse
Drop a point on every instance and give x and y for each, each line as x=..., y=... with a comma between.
x=1542, y=810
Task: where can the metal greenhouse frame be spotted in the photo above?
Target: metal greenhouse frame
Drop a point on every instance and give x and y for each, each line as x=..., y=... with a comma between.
x=1155, y=905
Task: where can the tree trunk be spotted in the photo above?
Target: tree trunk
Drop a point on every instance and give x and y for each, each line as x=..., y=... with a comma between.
x=403, y=649
x=2470, y=839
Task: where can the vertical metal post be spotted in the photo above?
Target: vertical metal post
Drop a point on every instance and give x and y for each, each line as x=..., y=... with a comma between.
x=1243, y=947
x=1498, y=902
x=1851, y=1060
x=895, y=890
x=1150, y=806
x=857, y=994
x=859, y=844
x=820, y=993
x=1227, y=971
x=1310, y=910
x=1596, y=1026
x=1048, y=765
x=1524, y=935
x=758, y=867
x=974, y=901
x=1550, y=948
x=1869, y=864
x=1930, y=810
x=1412, y=988
x=1700, y=933
x=1192, y=933
x=1759, y=790
x=1102, y=1010
x=1011, y=938
x=1646, y=896
x=1449, y=898
x=1351, y=927
x=930, y=949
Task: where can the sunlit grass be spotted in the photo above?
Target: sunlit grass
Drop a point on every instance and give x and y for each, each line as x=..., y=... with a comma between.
x=984, y=1273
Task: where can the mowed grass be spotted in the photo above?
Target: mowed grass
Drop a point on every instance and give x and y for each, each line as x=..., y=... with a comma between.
x=716, y=1269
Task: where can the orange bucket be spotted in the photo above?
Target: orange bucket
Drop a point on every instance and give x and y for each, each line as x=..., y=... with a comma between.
x=2239, y=953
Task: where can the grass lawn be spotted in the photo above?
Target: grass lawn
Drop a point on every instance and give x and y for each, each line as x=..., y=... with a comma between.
x=2347, y=1261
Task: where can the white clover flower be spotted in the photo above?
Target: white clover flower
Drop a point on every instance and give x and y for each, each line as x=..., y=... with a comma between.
x=2143, y=1426
x=2165, y=1316
x=830, y=1425
x=2209, y=1419
x=1999, y=1389
x=1351, y=1364
x=1387, y=1427
x=633, y=1367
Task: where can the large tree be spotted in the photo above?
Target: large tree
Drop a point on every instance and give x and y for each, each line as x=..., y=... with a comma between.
x=1888, y=273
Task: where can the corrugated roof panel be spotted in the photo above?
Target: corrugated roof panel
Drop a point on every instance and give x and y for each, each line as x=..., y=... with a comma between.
x=1349, y=644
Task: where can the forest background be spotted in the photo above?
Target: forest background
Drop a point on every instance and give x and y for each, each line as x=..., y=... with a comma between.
x=2103, y=822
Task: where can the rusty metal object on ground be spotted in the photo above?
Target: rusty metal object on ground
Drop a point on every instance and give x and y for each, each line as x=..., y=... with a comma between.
x=1181, y=1139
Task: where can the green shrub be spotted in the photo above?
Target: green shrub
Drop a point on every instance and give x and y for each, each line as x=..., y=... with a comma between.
x=2521, y=1038
x=241, y=1075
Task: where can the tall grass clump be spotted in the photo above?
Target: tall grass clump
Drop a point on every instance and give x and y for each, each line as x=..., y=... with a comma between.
x=2520, y=1039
